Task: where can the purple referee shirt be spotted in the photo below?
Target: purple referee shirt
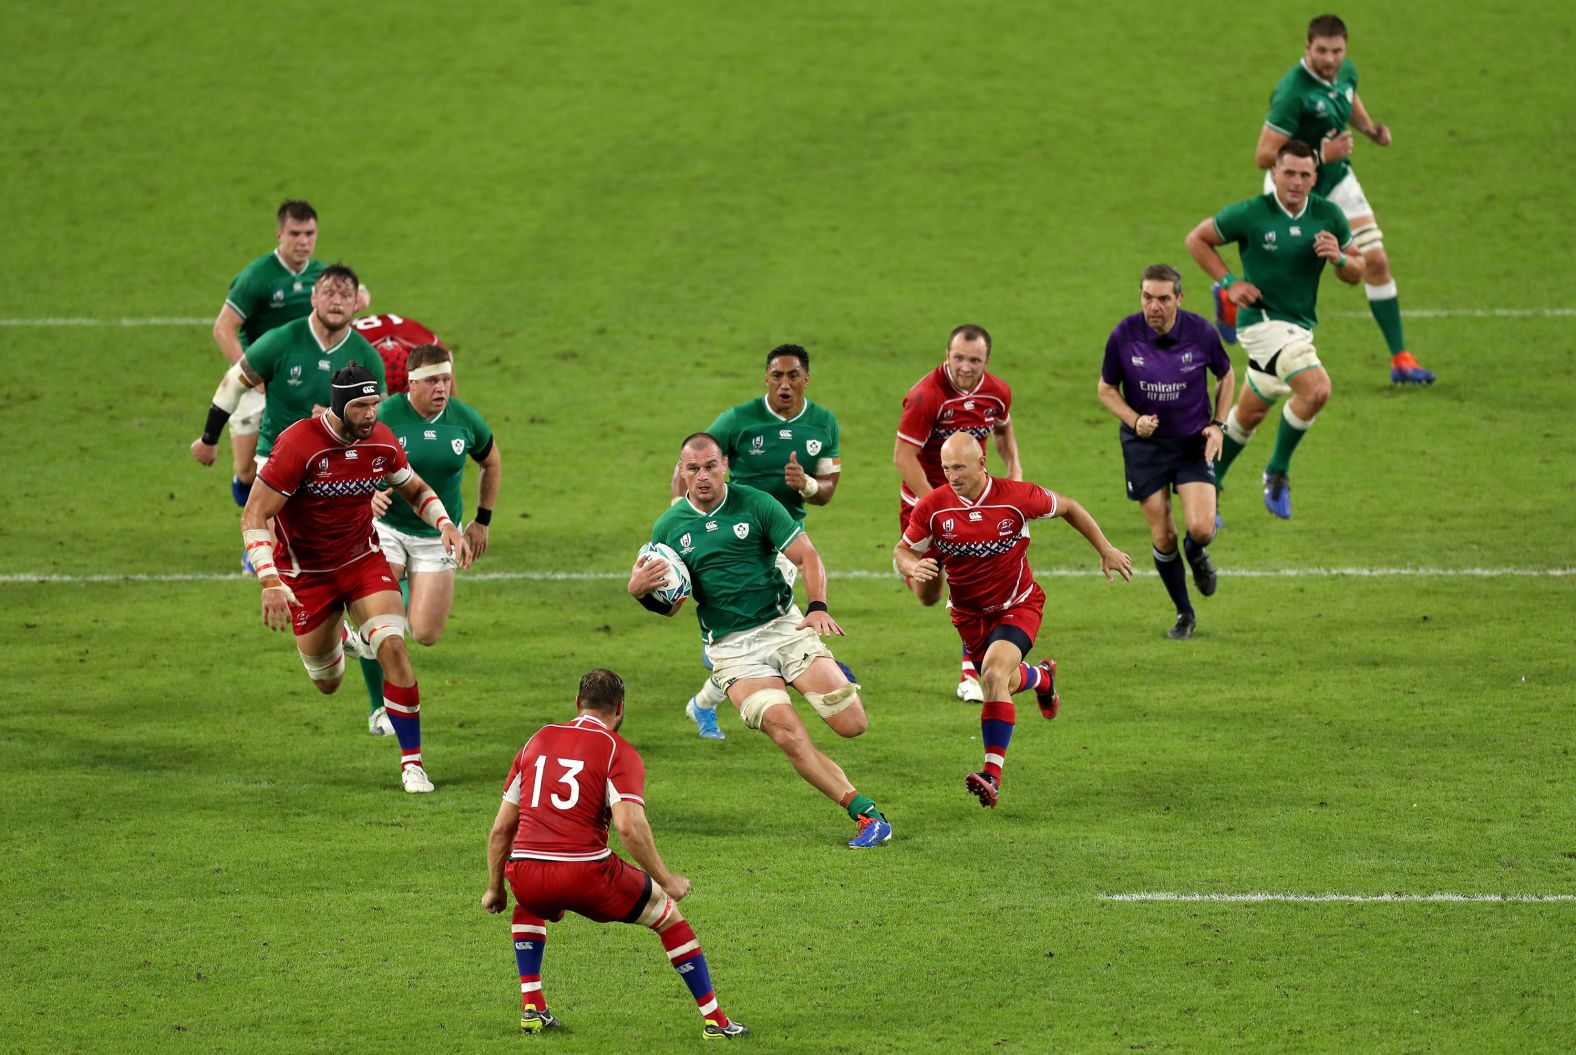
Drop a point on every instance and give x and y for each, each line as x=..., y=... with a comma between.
x=1163, y=374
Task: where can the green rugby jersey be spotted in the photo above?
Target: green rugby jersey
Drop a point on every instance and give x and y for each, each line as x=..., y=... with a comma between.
x=267, y=294
x=1277, y=254
x=1305, y=108
x=731, y=553
x=437, y=448
x=757, y=442
x=296, y=367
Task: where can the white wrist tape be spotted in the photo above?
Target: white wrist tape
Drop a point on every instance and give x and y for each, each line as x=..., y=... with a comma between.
x=430, y=508
x=259, y=548
x=231, y=388
x=811, y=487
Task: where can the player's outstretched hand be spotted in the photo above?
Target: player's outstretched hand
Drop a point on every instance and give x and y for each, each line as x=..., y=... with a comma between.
x=476, y=535
x=676, y=886
x=276, y=606
x=822, y=623
x=649, y=573
x=495, y=900
x=926, y=570
x=1243, y=293
x=1113, y=559
x=381, y=500
x=205, y=453
x=454, y=545
x=793, y=472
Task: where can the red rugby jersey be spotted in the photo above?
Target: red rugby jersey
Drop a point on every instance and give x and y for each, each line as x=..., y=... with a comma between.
x=327, y=522
x=394, y=336
x=984, y=544
x=565, y=781
x=935, y=409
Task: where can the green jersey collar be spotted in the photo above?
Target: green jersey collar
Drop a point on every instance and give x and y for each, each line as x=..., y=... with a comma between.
x=290, y=269
x=1303, y=62
x=779, y=417
x=702, y=512
x=1291, y=215
x=311, y=326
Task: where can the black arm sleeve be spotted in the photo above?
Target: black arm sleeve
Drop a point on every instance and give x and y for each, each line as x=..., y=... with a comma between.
x=214, y=425
x=651, y=604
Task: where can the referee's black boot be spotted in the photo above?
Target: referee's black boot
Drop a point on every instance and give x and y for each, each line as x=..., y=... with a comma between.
x=1184, y=627
x=1203, y=572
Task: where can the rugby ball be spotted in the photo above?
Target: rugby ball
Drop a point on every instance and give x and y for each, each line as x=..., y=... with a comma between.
x=676, y=587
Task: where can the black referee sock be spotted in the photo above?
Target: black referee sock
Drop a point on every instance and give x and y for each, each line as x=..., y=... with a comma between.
x=1175, y=577
x=1193, y=550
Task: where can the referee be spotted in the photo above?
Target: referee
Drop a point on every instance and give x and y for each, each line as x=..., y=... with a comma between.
x=1153, y=380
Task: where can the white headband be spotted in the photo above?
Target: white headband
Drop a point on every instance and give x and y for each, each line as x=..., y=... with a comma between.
x=421, y=373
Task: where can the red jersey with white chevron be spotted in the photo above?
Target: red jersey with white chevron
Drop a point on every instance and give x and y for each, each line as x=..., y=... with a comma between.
x=327, y=523
x=394, y=336
x=984, y=544
x=565, y=781
x=935, y=409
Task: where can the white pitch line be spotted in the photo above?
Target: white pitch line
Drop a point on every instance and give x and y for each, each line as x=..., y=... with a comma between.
x=1347, y=898
x=1472, y=313
x=857, y=573
x=151, y=321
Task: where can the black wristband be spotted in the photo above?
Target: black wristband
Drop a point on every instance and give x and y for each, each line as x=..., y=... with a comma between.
x=214, y=425
x=483, y=516
x=1221, y=425
x=650, y=603
x=815, y=606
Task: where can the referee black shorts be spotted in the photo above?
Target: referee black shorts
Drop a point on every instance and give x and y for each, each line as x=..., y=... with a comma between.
x=1160, y=462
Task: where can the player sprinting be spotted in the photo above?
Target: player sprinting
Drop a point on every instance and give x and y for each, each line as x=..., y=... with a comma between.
x=782, y=443
x=439, y=434
x=977, y=525
x=1316, y=103
x=549, y=841
x=1285, y=239
x=729, y=536
x=322, y=557
x=272, y=290
x=960, y=395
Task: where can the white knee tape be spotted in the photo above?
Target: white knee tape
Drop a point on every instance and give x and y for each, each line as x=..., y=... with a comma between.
x=1298, y=355
x=1367, y=237
x=380, y=628
x=1293, y=420
x=835, y=702
x=656, y=912
x=755, y=705
x=330, y=667
x=1384, y=292
x=1235, y=430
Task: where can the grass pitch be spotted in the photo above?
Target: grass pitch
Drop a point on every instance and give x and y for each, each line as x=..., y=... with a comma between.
x=612, y=211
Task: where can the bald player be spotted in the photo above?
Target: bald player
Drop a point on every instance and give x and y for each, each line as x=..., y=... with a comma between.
x=978, y=527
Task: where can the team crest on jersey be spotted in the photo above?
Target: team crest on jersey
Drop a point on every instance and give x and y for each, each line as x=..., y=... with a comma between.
x=458, y=446
x=813, y=446
x=742, y=530
x=1005, y=527
x=377, y=463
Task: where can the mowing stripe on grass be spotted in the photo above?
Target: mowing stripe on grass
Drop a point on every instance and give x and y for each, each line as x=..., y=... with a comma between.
x=861, y=573
x=1346, y=898
x=173, y=320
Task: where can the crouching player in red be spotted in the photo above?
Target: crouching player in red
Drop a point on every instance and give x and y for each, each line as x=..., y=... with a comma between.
x=566, y=784
x=320, y=476
x=978, y=525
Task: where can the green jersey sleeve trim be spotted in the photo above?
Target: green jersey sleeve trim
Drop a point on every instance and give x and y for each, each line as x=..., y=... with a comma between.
x=798, y=529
